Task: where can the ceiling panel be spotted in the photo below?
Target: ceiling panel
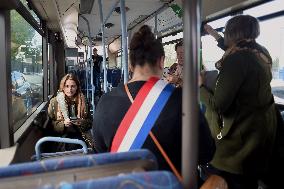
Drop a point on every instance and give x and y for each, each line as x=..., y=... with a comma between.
x=137, y=9
x=62, y=15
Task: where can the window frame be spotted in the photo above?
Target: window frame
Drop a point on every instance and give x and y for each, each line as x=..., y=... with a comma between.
x=8, y=137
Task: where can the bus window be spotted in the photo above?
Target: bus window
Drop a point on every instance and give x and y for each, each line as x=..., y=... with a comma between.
x=26, y=69
x=272, y=37
x=211, y=53
x=170, y=55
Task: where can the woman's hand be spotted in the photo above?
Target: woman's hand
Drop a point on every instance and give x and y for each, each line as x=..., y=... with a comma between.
x=212, y=32
x=67, y=122
x=172, y=79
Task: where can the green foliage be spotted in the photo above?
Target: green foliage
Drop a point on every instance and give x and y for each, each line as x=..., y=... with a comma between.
x=21, y=32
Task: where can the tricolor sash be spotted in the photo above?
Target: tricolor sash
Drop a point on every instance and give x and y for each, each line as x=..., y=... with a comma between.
x=142, y=115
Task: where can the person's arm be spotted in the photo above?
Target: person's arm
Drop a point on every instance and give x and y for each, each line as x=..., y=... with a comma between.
x=231, y=77
x=221, y=44
x=58, y=126
x=216, y=36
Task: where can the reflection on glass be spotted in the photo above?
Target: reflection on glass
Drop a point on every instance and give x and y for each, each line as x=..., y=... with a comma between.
x=26, y=69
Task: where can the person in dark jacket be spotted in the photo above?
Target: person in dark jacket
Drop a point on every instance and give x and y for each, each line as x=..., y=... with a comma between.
x=147, y=61
x=97, y=61
x=243, y=121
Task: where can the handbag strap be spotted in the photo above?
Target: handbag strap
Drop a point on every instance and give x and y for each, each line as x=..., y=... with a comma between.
x=159, y=146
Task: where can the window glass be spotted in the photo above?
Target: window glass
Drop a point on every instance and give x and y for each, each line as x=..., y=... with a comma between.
x=172, y=37
x=26, y=69
x=274, y=43
x=211, y=53
x=265, y=9
x=170, y=55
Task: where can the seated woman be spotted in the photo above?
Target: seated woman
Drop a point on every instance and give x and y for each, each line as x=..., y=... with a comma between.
x=68, y=112
x=114, y=108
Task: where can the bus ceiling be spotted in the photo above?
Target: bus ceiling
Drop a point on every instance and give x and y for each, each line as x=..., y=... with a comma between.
x=64, y=16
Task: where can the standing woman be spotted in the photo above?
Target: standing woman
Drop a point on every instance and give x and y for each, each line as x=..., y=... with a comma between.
x=243, y=110
x=69, y=112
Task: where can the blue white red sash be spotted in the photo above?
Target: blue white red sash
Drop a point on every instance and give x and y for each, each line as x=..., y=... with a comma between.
x=142, y=115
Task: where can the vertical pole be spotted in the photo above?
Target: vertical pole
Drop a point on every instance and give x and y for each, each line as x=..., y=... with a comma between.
x=124, y=40
x=52, y=73
x=191, y=24
x=91, y=63
x=156, y=27
x=103, y=44
x=87, y=73
x=45, y=62
x=6, y=128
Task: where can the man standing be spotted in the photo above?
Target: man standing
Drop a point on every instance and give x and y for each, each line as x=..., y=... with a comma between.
x=97, y=60
x=176, y=77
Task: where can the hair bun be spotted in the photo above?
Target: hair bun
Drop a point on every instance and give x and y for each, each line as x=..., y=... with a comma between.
x=143, y=38
x=145, y=31
x=145, y=48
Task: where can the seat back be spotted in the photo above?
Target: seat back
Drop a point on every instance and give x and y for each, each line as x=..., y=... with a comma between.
x=152, y=179
x=77, y=174
x=69, y=162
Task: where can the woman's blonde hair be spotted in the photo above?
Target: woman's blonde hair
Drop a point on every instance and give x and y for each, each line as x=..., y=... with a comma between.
x=70, y=77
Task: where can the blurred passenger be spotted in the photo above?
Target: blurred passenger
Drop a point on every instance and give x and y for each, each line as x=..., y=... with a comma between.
x=19, y=110
x=69, y=112
x=147, y=63
x=176, y=70
x=97, y=61
x=244, y=125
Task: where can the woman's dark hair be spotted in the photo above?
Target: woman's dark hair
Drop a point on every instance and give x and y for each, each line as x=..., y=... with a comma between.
x=179, y=44
x=241, y=27
x=145, y=48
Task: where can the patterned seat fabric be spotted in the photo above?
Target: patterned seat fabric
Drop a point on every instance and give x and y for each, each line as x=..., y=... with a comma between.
x=69, y=162
x=154, y=179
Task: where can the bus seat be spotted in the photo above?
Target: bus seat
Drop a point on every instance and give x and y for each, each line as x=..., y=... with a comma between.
x=77, y=174
x=69, y=162
x=152, y=179
x=40, y=155
x=113, y=76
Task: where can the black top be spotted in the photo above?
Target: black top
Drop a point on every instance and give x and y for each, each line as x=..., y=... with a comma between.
x=113, y=106
x=97, y=63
